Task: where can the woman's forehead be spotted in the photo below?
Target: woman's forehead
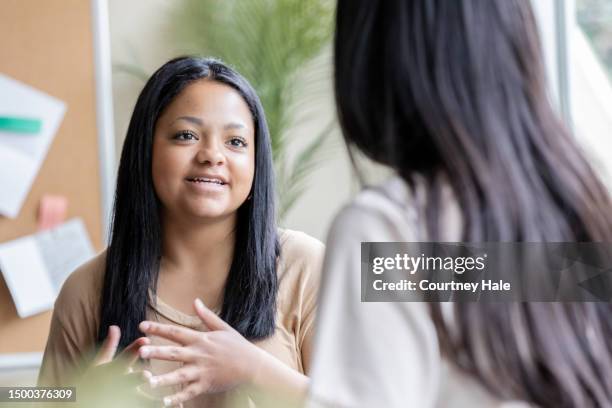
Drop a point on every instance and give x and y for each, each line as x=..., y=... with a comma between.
x=206, y=102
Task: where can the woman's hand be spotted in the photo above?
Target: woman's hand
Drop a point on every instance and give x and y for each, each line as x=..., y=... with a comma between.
x=126, y=358
x=213, y=361
x=116, y=372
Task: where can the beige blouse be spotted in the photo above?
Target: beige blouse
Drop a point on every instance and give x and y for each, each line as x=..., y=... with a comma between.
x=75, y=320
x=399, y=363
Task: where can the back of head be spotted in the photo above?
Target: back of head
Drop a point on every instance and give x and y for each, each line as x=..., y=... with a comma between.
x=457, y=88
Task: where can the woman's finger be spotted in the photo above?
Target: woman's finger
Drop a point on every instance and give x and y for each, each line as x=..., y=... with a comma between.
x=136, y=378
x=147, y=375
x=186, y=394
x=109, y=347
x=183, y=375
x=210, y=318
x=177, y=334
x=168, y=353
x=129, y=355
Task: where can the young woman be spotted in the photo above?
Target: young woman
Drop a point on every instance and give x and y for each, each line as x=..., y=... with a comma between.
x=451, y=95
x=194, y=225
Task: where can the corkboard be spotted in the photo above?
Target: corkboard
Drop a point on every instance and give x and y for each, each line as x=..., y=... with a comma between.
x=49, y=45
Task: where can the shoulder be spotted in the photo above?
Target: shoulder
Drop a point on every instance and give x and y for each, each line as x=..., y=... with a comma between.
x=300, y=257
x=386, y=212
x=78, y=301
x=299, y=266
x=297, y=246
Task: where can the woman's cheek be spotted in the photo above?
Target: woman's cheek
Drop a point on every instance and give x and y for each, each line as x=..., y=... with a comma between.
x=164, y=179
x=243, y=173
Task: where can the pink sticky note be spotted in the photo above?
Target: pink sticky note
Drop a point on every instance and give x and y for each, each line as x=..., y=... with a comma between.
x=52, y=211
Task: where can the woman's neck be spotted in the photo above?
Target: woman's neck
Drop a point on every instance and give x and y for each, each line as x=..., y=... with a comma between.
x=195, y=262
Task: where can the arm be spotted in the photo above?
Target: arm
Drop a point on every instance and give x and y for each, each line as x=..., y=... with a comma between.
x=72, y=333
x=302, y=260
x=61, y=358
x=69, y=358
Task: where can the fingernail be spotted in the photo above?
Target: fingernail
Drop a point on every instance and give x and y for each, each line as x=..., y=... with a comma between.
x=153, y=382
x=167, y=402
x=144, y=326
x=199, y=303
x=144, y=352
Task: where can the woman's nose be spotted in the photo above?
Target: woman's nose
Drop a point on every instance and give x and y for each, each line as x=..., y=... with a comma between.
x=210, y=153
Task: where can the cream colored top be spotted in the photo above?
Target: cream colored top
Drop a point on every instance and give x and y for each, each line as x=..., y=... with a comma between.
x=74, y=325
x=384, y=354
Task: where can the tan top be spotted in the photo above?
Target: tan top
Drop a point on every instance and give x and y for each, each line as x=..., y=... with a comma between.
x=75, y=321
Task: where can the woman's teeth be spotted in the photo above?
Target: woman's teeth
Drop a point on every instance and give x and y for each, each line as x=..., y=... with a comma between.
x=206, y=180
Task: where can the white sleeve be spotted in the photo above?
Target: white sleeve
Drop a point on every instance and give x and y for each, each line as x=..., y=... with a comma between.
x=368, y=354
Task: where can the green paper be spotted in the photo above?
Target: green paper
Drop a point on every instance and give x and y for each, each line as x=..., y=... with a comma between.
x=19, y=125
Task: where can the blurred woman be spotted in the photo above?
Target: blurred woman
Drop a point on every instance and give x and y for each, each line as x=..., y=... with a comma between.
x=451, y=96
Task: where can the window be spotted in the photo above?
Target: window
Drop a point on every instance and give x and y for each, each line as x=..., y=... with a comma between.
x=577, y=44
x=590, y=68
x=594, y=18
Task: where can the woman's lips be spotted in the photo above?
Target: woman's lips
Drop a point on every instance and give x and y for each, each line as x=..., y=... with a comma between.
x=205, y=179
x=206, y=185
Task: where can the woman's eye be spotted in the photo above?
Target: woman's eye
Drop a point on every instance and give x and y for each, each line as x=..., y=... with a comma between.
x=237, y=142
x=185, y=136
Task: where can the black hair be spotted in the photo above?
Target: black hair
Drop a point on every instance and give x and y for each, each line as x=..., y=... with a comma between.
x=134, y=251
x=457, y=88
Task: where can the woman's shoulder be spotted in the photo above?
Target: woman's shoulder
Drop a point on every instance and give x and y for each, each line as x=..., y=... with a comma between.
x=297, y=245
x=395, y=211
x=80, y=293
x=300, y=261
x=384, y=212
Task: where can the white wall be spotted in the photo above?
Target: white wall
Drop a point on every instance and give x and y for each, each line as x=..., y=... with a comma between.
x=140, y=34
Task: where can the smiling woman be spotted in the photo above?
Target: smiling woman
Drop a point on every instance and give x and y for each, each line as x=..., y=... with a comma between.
x=194, y=225
x=203, y=152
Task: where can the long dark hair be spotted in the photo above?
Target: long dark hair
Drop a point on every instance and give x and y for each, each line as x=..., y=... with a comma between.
x=457, y=88
x=134, y=251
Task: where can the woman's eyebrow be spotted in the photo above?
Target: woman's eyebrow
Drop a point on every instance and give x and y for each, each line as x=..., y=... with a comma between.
x=234, y=125
x=200, y=122
x=192, y=119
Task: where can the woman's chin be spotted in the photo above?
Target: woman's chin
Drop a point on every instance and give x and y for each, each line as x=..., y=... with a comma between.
x=209, y=213
x=196, y=212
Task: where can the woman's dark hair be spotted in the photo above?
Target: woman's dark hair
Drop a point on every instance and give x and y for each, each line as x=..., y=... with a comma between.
x=134, y=251
x=457, y=88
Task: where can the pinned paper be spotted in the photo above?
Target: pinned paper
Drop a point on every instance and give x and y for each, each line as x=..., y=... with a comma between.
x=52, y=211
x=21, y=156
x=15, y=124
x=36, y=266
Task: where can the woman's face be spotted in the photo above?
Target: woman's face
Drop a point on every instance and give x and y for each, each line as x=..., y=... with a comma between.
x=204, y=152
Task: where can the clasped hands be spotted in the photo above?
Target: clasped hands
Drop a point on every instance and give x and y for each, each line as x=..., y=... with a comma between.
x=212, y=361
